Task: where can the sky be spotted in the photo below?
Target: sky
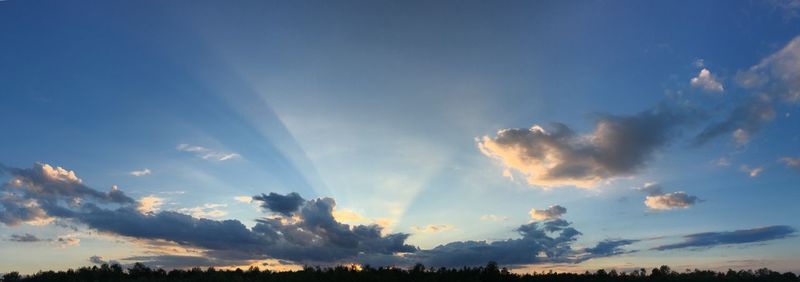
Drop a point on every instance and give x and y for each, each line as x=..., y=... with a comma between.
x=543, y=135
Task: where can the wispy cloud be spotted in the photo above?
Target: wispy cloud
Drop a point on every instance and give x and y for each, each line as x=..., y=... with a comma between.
x=138, y=173
x=433, y=228
x=205, y=211
x=206, y=153
x=712, y=239
x=493, y=217
x=791, y=162
x=752, y=171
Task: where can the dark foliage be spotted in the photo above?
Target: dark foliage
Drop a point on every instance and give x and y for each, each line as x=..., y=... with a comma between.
x=490, y=273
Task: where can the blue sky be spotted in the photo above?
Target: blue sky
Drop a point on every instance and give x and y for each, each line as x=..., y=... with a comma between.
x=432, y=120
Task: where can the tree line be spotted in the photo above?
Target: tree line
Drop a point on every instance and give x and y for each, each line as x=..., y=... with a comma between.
x=489, y=273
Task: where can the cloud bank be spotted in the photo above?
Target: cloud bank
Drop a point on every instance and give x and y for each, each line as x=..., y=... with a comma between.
x=712, y=239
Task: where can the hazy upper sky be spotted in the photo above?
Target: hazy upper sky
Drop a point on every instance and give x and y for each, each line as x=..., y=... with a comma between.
x=559, y=135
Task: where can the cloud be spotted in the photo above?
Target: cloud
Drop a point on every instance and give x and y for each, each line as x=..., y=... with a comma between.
x=99, y=260
x=791, y=162
x=143, y=172
x=752, y=171
x=205, y=211
x=618, y=146
x=206, y=153
x=656, y=199
x=790, y=8
x=492, y=217
x=552, y=212
x=713, y=239
x=68, y=241
x=38, y=194
x=706, y=81
x=244, y=199
x=150, y=204
x=433, y=228
x=25, y=238
x=281, y=204
x=774, y=80
x=297, y=230
x=670, y=201
x=609, y=248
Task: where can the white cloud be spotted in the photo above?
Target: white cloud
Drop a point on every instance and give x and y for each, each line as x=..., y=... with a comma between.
x=143, y=172
x=205, y=211
x=752, y=171
x=706, y=81
x=658, y=200
x=433, y=228
x=150, y=204
x=244, y=199
x=492, y=217
x=58, y=173
x=206, y=153
x=552, y=212
x=670, y=201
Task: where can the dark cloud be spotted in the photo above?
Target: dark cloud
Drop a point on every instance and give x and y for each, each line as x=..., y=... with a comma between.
x=552, y=212
x=712, y=239
x=44, y=191
x=537, y=245
x=297, y=230
x=618, y=146
x=278, y=203
x=25, y=238
x=743, y=122
x=609, y=248
x=173, y=261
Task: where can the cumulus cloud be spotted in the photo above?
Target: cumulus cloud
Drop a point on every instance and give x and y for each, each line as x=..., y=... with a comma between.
x=206, y=153
x=282, y=204
x=618, y=146
x=143, y=172
x=706, y=81
x=552, y=212
x=433, y=228
x=712, y=239
x=776, y=79
x=657, y=199
x=296, y=230
x=38, y=194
